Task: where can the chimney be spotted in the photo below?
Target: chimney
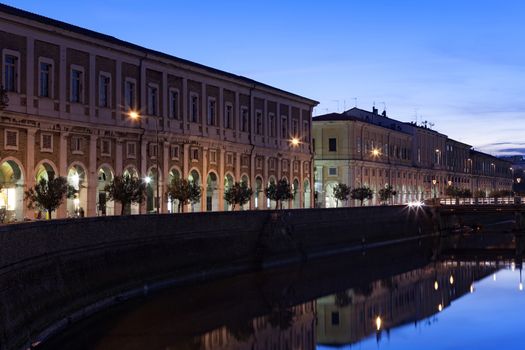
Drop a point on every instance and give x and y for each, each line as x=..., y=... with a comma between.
x=384, y=113
x=374, y=110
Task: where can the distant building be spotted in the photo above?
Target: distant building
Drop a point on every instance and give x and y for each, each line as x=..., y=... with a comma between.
x=362, y=148
x=518, y=172
x=71, y=91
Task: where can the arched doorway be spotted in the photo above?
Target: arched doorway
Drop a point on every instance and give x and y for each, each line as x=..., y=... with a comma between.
x=77, y=204
x=246, y=180
x=269, y=203
x=45, y=171
x=212, y=192
x=259, y=193
x=296, y=202
x=173, y=205
x=151, y=190
x=285, y=204
x=11, y=192
x=194, y=177
x=104, y=206
x=307, y=194
x=228, y=183
x=134, y=208
x=330, y=201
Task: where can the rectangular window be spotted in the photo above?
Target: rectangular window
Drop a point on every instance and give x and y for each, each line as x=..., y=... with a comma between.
x=77, y=82
x=284, y=127
x=153, y=149
x=244, y=119
x=195, y=154
x=11, y=140
x=335, y=318
x=153, y=99
x=228, y=116
x=76, y=144
x=213, y=157
x=229, y=159
x=46, y=142
x=245, y=161
x=258, y=123
x=174, y=152
x=332, y=145
x=105, y=147
x=130, y=94
x=45, y=76
x=174, y=104
x=194, y=108
x=271, y=119
x=295, y=128
x=295, y=166
x=212, y=111
x=11, y=73
x=271, y=164
x=131, y=149
x=306, y=130
x=104, y=89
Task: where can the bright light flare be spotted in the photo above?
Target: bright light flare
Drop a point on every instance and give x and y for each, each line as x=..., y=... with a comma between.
x=147, y=179
x=376, y=152
x=436, y=285
x=415, y=204
x=295, y=141
x=440, y=307
x=378, y=323
x=134, y=115
x=451, y=279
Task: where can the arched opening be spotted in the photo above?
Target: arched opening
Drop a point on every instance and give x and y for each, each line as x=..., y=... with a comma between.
x=194, y=177
x=246, y=180
x=269, y=203
x=11, y=192
x=173, y=205
x=296, y=203
x=285, y=204
x=151, y=190
x=259, y=193
x=212, y=192
x=330, y=201
x=307, y=194
x=228, y=183
x=76, y=178
x=47, y=172
x=104, y=206
x=134, y=208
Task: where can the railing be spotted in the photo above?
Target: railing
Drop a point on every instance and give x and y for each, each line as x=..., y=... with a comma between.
x=482, y=201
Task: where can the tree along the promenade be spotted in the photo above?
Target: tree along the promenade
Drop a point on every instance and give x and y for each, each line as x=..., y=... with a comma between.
x=239, y=194
x=49, y=194
x=341, y=192
x=501, y=193
x=184, y=191
x=282, y=191
x=362, y=193
x=126, y=190
x=480, y=194
x=386, y=193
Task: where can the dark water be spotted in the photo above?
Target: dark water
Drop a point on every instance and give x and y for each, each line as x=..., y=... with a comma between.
x=459, y=293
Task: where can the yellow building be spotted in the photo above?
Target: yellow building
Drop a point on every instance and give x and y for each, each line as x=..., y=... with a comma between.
x=71, y=91
x=362, y=148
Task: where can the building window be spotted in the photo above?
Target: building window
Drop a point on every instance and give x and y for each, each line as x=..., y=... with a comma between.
x=130, y=94
x=174, y=104
x=46, y=142
x=153, y=149
x=104, y=90
x=306, y=130
x=284, y=127
x=295, y=166
x=332, y=145
x=194, y=108
x=258, y=123
x=335, y=318
x=259, y=163
x=271, y=119
x=153, y=99
x=105, y=147
x=131, y=149
x=228, y=116
x=11, y=69
x=174, y=152
x=271, y=163
x=45, y=86
x=77, y=85
x=213, y=157
x=76, y=144
x=212, y=111
x=195, y=154
x=244, y=119
x=229, y=159
x=295, y=128
x=11, y=140
x=245, y=161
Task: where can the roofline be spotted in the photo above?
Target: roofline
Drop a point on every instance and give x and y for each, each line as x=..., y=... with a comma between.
x=13, y=11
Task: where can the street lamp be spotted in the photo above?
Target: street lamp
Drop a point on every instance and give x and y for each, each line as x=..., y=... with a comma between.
x=434, y=182
x=134, y=115
x=295, y=142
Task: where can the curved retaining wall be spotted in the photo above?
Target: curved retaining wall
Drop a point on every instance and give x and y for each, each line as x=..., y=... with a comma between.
x=53, y=272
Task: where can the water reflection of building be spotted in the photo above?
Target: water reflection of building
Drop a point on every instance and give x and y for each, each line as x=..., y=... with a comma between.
x=291, y=328
x=348, y=317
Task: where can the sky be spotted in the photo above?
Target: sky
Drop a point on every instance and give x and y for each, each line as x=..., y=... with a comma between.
x=459, y=64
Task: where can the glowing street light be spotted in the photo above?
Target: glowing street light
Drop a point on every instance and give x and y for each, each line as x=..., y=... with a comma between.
x=295, y=142
x=436, y=285
x=440, y=307
x=376, y=152
x=451, y=279
x=147, y=179
x=378, y=323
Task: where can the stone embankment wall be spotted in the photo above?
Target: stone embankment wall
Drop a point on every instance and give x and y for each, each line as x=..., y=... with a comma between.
x=54, y=272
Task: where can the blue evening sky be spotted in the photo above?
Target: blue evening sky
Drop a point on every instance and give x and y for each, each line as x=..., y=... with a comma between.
x=457, y=64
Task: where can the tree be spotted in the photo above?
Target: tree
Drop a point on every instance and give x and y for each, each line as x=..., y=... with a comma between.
x=48, y=194
x=480, y=194
x=4, y=99
x=362, y=193
x=386, y=193
x=184, y=191
x=341, y=192
x=126, y=190
x=239, y=193
x=279, y=192
x=502, y=193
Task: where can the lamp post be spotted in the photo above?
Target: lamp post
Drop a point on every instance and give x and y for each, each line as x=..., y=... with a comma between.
x=434, y=182
x=136, y=116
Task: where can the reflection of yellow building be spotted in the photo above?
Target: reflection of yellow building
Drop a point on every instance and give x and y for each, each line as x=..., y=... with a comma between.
x=299, y=336
x=348, y=317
